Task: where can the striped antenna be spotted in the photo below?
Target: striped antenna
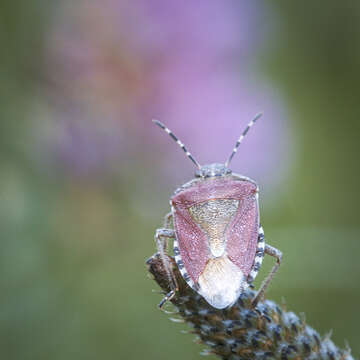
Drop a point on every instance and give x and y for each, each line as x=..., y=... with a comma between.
x=161, y=125
x=251, y=123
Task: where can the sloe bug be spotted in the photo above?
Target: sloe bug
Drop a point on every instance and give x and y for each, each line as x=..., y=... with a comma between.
x=219, y=243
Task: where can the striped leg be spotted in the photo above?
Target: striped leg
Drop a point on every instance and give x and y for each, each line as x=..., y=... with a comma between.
x=161, y=237
x=278, y=255
x=259, y=256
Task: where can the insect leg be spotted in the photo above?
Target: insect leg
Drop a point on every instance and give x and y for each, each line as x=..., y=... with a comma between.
x=161, y=237
x=167, y=220
x=278, y=255
x=259, y=256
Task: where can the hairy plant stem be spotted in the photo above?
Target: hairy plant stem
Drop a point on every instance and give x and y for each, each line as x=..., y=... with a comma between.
x=243, y=332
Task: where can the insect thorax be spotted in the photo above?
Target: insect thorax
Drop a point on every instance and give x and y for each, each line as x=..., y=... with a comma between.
x=199, y=179
x=213, y=170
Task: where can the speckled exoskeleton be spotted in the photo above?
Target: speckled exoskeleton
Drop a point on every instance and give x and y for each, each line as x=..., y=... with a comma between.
x=218, y=240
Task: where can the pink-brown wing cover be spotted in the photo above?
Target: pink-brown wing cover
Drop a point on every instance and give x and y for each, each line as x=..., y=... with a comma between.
x=241, y=234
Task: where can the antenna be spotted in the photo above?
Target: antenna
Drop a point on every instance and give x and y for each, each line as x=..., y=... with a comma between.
x=251, y=123
x=162, y=126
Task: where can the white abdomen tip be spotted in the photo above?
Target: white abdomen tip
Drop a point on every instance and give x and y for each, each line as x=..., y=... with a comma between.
x=221, y=282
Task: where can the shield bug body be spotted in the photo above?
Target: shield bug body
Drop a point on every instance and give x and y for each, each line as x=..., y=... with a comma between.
x=218, y=240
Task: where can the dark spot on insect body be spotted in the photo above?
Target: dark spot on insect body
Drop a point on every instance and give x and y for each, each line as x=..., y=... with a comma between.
x=180, y=264
x=186, y=277
x=176, y=251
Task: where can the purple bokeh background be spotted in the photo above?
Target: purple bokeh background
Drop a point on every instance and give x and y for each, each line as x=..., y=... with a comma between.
x=188, y=65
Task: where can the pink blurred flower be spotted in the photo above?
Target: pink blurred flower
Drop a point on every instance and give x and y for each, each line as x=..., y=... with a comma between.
x=188, y=64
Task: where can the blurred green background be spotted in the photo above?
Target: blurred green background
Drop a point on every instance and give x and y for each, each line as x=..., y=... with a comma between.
x=77, y=216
